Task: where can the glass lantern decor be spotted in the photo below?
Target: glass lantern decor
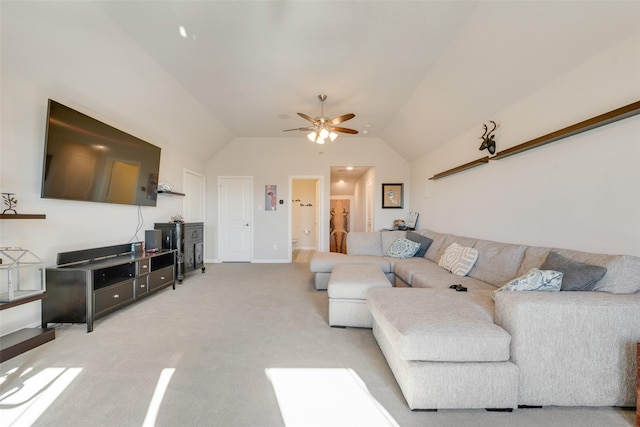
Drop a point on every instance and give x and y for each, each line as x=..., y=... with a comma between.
x=22, y=274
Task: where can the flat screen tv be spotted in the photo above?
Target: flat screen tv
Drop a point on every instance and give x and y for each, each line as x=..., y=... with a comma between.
x=87, y=160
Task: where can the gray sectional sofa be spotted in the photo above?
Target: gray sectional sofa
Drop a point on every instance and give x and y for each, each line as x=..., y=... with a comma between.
x=501, y=350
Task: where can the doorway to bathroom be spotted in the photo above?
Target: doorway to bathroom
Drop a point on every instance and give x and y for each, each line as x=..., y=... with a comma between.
x=305, y=224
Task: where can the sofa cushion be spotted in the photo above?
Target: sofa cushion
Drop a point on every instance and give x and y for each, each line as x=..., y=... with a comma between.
x=439, y=278
x=497, y=262
x=323, y=262
x=534, y=280
x=433, y=253
x=439, y=326
x=578, y=276
x=450, y=238
x=406, y=268
x=403, y=248
x=424, y=241
x=458, y=259
x=353, y=281
x=388, y=237
x=362, y=243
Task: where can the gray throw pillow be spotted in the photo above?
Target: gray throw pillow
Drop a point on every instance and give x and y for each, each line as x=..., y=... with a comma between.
x=424, y=241
x=577, y=276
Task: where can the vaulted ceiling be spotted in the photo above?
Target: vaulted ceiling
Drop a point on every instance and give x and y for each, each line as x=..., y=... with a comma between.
x=415, y=73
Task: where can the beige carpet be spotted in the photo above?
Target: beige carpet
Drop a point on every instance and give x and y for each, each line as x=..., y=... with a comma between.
x=241, y=345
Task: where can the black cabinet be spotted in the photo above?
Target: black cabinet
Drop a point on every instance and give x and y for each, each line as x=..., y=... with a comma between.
x=187, y=239
x=87, y=288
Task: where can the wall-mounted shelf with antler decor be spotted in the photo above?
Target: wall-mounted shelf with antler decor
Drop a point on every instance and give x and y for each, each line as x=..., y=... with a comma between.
x=586, y=125
x=461, y=168
x=592, y=123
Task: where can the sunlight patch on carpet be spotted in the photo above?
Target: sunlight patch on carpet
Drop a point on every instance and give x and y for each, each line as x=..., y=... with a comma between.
x=326, y=397
x=158, y=395
x=22, y=405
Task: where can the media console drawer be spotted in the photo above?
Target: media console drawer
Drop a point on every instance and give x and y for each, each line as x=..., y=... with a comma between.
x=159, y=278
x=113, y=296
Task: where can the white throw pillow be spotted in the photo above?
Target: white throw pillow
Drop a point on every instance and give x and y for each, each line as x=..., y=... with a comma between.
x=534, y=280
x=458, y=259
x=403, y=248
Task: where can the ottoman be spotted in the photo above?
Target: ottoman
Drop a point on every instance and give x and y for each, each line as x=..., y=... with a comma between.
x=347, y=291
x=444, y=348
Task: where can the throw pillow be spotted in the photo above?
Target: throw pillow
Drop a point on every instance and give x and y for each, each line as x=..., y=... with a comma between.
x=424, y=241
x=534, y=280
x=403, y=248
x=578, y=276
x=458, y=259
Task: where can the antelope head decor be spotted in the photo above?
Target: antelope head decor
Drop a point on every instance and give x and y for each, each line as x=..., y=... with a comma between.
x=488, y=138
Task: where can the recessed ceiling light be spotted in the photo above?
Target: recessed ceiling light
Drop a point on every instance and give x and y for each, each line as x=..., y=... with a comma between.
x=368, y=125
x=341, y=181
x=183, y=31
x=349, y=168
x=365, y=132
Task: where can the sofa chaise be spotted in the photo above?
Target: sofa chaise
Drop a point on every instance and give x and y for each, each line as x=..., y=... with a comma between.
x=497, y=349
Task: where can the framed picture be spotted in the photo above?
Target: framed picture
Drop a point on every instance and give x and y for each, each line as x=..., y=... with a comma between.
x=412, y=220
x=392, y=196
x=270, y=197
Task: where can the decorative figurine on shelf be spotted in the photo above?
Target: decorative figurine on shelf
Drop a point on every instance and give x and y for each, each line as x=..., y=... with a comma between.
x=488, y=138
x=177, y=218
x=10, y=202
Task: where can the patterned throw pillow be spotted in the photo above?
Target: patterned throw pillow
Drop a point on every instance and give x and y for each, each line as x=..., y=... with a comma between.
x=458, y=259
x=534, y=280
x=403, y=248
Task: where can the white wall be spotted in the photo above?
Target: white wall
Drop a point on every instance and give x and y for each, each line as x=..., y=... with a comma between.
x=70, y=52
x=273, y=160
x=582, y=192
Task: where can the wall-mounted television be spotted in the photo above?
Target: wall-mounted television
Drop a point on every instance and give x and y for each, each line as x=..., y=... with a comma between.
x=87, y=160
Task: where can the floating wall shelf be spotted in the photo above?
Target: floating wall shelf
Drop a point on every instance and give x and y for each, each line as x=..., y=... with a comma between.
x=175, y=193
x=586, y=125
x=592, y=123
x=22, y=216
x=461, y=168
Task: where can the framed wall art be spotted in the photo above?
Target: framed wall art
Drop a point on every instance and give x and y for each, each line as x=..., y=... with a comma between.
x=392, y=196
x=270, y=197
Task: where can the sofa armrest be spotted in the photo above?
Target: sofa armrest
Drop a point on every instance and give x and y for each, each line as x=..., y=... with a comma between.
x=572, y=348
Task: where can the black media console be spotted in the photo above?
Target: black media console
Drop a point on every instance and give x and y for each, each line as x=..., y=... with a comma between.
x=90, y=283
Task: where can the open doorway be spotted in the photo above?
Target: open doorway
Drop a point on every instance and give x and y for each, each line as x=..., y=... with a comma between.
x=351, y=203
x=305, y=217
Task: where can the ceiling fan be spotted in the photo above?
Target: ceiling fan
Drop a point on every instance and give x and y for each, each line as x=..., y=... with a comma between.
x=323, y=127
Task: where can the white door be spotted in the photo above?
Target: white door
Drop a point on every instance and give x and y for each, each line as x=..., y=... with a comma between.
x=194, y=196
x=369, y=207
x=234, y=201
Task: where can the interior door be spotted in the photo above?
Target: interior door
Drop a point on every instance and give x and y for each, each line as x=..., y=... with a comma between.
x=235, y=197
x=369, y=207
x=194, y=202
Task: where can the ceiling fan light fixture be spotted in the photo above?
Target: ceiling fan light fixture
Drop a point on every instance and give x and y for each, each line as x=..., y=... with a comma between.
x=324, y=128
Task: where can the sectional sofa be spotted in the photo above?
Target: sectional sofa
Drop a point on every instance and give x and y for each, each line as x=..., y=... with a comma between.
x=489, y=347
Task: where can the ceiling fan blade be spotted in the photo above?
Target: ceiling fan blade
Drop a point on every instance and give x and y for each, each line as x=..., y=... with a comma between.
x=342, y=118
x=344, y=130
x=288, y=130
x=311, y=119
